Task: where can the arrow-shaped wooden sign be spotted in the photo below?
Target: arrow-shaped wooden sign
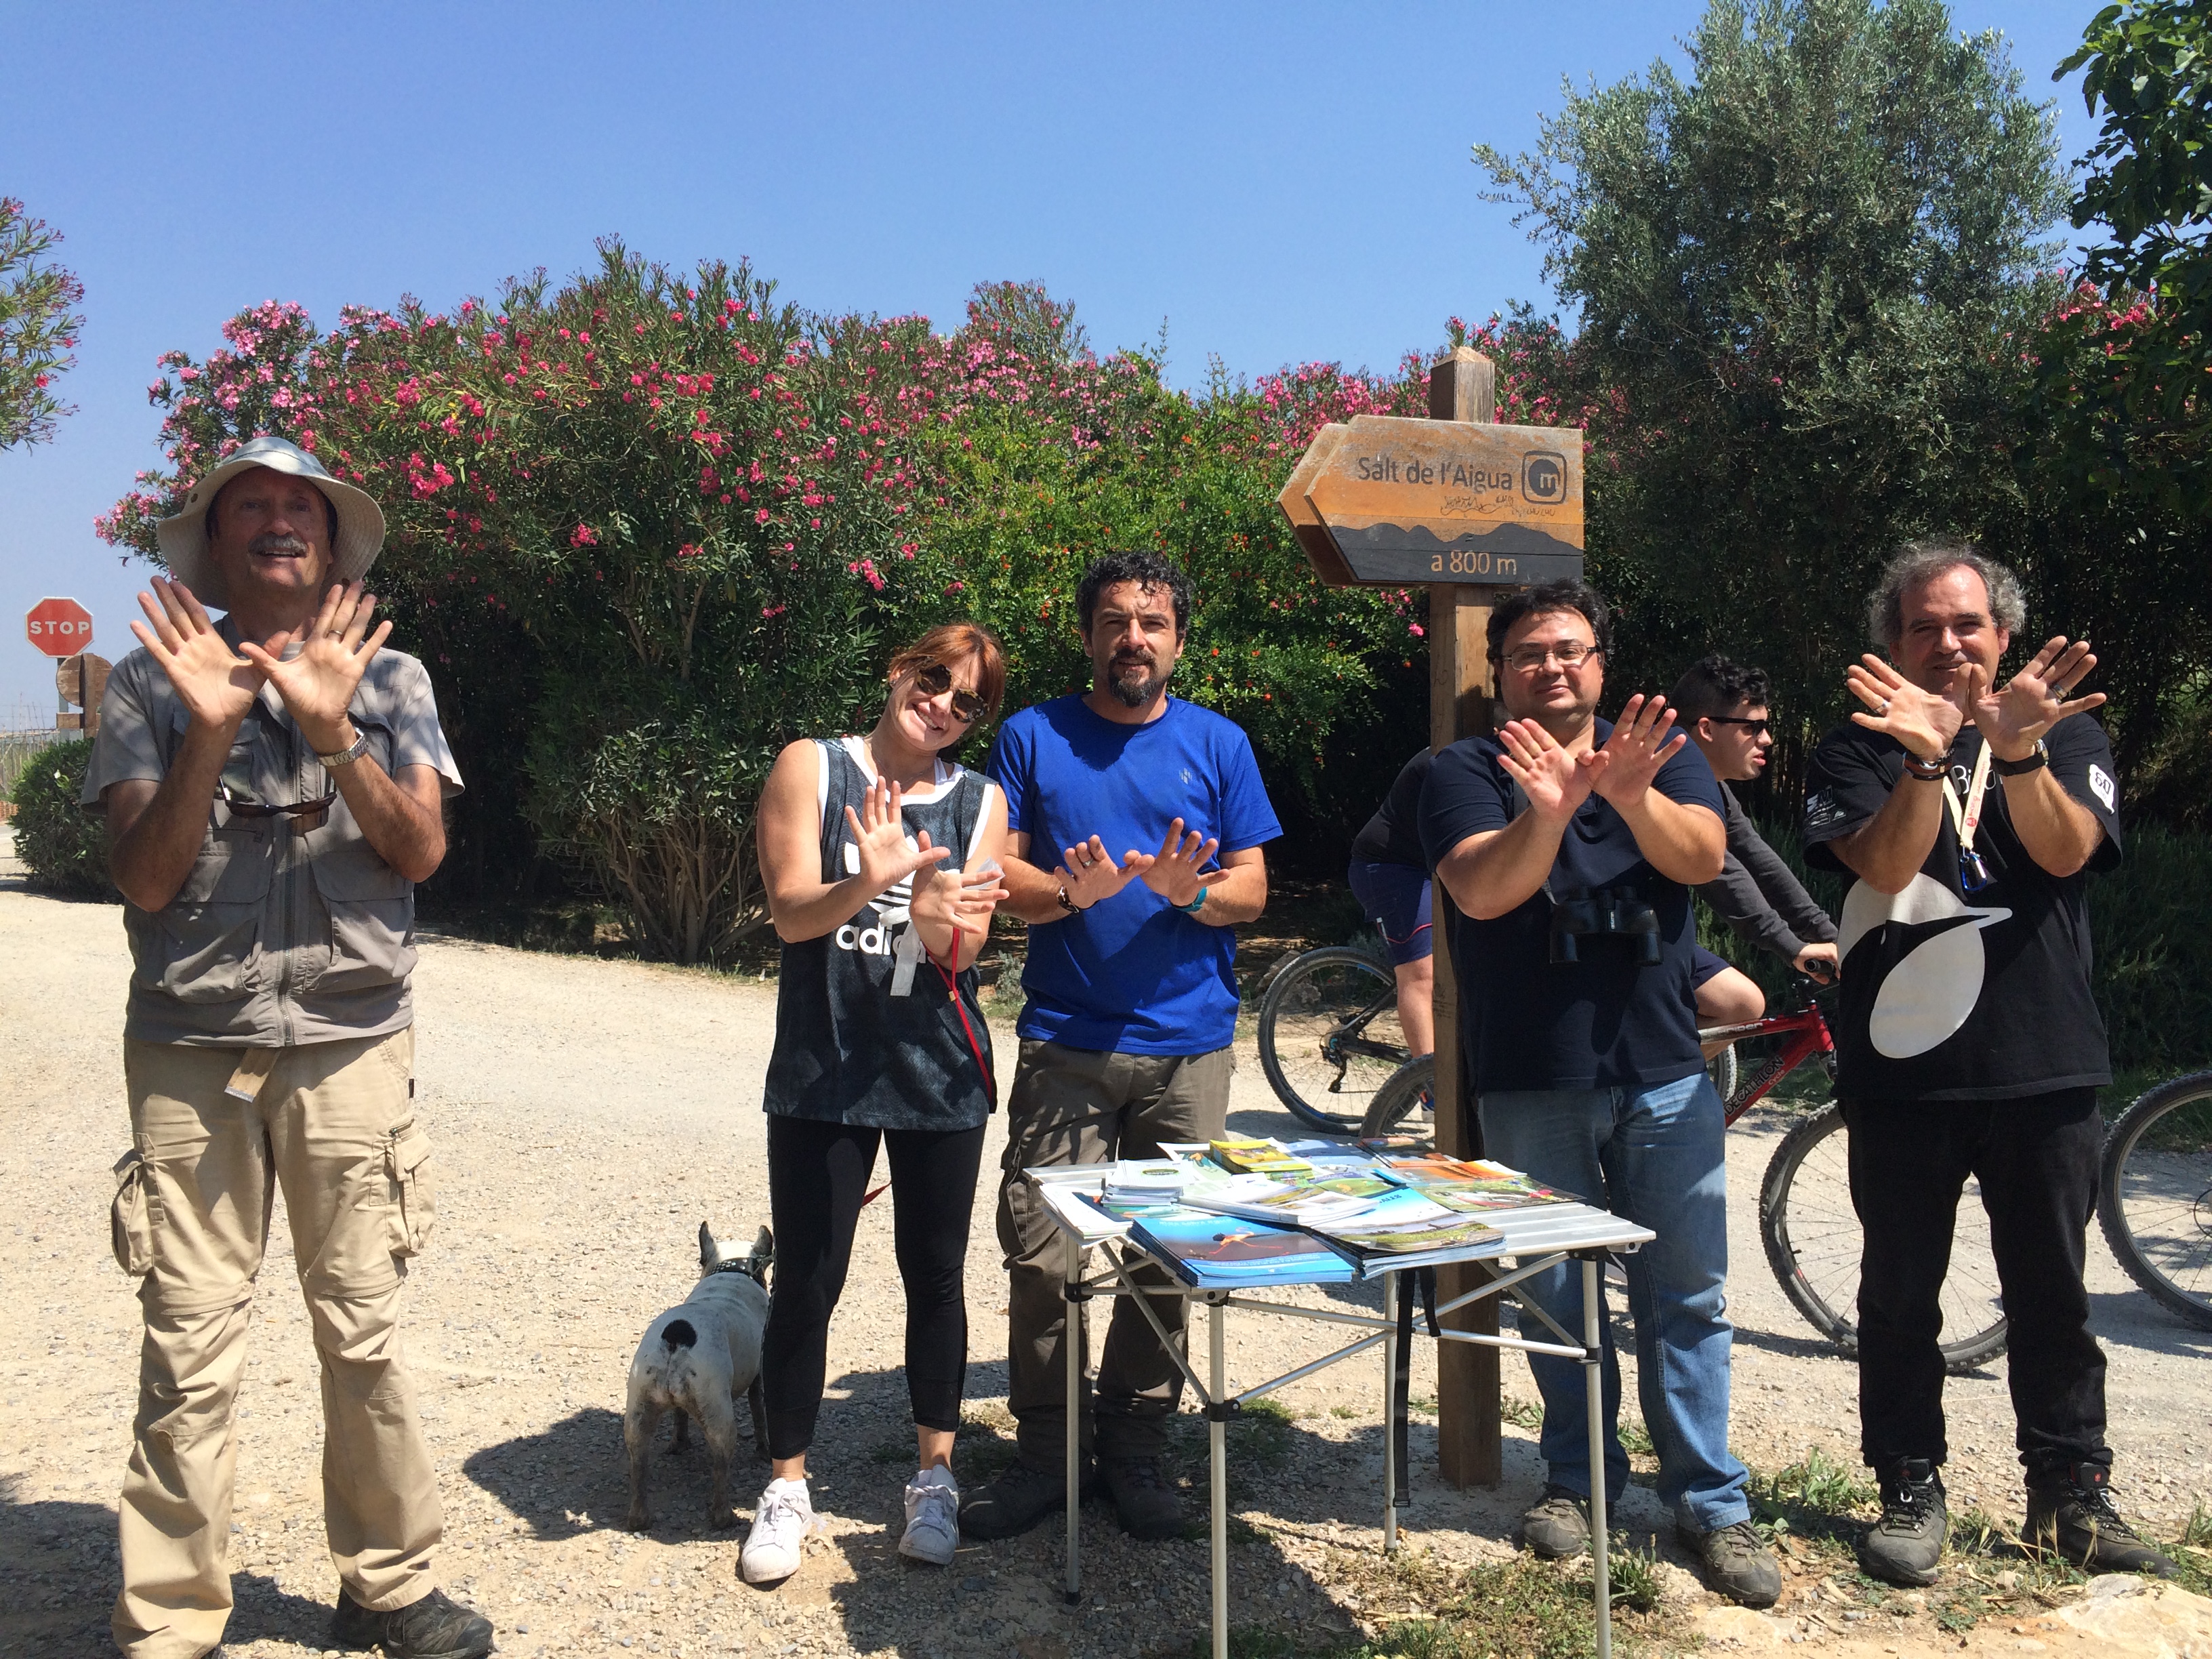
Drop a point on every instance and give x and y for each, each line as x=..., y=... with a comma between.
x=1401, y=502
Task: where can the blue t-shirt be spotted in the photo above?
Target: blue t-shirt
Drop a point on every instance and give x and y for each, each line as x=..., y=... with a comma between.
x=1598, y=1021
x=1132, y=974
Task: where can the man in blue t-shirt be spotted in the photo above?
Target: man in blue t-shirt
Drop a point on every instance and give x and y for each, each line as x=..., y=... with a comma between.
x=1135, y=823
x=1570, y=846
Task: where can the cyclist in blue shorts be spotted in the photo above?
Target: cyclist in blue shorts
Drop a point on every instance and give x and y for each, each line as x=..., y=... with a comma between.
x=1389, y=877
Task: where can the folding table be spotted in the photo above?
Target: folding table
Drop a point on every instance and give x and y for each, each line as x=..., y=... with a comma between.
x=1537, y=1239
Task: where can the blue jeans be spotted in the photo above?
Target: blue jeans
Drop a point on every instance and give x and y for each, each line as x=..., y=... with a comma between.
x=1654, y=1156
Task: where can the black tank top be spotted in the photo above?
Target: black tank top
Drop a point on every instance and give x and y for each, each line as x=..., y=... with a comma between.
x=867, y=1031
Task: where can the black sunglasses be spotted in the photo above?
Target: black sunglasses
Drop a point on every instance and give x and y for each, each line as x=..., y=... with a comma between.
x=1738, y=719
x=242, y=807
x=936, y=680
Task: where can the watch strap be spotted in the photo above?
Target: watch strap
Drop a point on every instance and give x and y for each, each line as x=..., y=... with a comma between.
x=1194, y=907
x=2036, y=757
x=352, y=752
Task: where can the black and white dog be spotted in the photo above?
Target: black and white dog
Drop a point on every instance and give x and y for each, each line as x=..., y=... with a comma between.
x=698, y=1358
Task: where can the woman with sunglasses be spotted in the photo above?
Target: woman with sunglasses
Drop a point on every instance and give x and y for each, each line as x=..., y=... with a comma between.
x=879, y=856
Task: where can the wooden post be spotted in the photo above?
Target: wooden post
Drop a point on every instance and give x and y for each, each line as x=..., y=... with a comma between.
x=1470, y=1443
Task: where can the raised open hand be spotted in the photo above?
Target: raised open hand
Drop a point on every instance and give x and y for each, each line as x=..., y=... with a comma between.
x=1089, y=875
x=1643, y=740
x=214, y=683
x=963, y=900
x=1174, y=872
x=886, y=856
x=1925, y=722
x=1546, y=773
x=2034, y=699
x=317, y=684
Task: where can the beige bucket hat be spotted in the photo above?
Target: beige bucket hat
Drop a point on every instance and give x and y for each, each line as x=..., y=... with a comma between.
x=184, y=537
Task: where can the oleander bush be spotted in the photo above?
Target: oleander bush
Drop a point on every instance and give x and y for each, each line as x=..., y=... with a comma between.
x=62, y=845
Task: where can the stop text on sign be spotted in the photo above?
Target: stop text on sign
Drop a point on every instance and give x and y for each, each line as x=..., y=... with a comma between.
x=60, y=628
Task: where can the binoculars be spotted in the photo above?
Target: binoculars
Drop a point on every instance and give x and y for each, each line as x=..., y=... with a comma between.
x=1609, y=912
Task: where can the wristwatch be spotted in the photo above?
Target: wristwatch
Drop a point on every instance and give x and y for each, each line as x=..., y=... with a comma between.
x=1067, y=903
x=1194, y=907
x=2037, y=756
x=352, y=752
x=1926, y=770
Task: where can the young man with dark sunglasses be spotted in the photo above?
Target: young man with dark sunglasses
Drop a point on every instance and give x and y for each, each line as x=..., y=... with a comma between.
x=1722, y=706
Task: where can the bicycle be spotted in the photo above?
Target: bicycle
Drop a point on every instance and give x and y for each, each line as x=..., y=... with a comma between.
x=2154, y=1194
x=1329, y=1033
x=1810, y=1230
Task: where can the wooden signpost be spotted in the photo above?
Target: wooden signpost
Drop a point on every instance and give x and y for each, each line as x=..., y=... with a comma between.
x=82, y=680
x=1467, y=508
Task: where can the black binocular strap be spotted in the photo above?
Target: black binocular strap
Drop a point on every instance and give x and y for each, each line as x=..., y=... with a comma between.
x=1422, y=1284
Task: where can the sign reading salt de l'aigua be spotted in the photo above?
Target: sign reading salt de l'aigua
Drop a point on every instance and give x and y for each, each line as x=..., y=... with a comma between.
x=1392, y=501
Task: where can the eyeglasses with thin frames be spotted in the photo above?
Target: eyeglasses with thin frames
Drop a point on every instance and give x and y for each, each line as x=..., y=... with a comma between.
x=936, y=679
x=1570, y=653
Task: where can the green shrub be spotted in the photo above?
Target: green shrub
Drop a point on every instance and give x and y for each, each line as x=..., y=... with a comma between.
x=62, y=845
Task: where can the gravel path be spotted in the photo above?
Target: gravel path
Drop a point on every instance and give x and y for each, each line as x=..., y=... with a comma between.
x=588, y=1115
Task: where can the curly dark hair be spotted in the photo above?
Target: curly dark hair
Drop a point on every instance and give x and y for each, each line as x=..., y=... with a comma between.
x=1714, y=686
x=1150, y=571
x=1566, y=593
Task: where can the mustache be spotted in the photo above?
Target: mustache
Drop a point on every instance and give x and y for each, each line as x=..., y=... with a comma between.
x=275, y=543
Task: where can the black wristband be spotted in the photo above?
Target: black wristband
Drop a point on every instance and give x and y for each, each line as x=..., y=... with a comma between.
x=2036, y=759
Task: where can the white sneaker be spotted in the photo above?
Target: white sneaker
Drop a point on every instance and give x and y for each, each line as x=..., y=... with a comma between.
x=782, y=1520
x=933, y=1517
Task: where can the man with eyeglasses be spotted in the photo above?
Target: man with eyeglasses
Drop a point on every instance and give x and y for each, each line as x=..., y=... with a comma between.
x=1722, y=706
x=1135, y=830
x=273, y=785
x=1970, y=815
x=1570, y=845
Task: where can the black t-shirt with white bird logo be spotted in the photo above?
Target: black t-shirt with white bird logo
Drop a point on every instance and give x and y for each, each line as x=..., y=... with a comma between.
x=1952, y=992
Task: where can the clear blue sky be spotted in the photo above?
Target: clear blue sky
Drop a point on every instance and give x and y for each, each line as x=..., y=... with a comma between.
x=1280, y=183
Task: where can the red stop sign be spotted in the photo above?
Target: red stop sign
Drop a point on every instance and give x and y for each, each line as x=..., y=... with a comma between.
x=60, y=628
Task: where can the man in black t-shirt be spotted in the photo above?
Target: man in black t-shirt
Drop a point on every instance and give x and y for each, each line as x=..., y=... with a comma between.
x=1967, y=1040
x=1570, y=845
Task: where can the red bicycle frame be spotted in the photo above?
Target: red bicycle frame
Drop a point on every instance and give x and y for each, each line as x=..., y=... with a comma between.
x=1805, y=1034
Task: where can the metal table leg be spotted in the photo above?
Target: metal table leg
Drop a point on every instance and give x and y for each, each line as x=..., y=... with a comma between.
x=1594, y=1392
x=1072, y=1343
x=1217, y=1434
x=1389, y=1414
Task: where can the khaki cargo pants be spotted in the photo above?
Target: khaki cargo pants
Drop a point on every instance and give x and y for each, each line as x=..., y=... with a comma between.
x=333, y=1122
x=1079, y=1106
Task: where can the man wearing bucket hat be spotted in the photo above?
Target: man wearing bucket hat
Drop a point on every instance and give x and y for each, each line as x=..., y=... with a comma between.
x=272, y=784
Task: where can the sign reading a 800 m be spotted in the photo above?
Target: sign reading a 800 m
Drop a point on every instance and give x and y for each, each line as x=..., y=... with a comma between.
x=1399, y=502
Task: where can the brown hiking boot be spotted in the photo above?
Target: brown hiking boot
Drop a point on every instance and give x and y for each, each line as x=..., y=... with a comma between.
x=2069, y=1509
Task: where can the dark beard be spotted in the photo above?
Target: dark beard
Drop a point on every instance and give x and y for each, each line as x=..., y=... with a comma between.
x=1135, y=694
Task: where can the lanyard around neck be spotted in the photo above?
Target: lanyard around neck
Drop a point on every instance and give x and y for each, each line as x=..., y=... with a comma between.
x=1967, y=818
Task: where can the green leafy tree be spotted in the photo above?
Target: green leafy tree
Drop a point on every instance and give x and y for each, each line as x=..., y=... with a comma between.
x=1798, y=269
x=39, y=326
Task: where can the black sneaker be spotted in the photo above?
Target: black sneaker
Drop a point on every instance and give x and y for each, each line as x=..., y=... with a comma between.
x=435, y=1627
x=1147, y=1506
x=2069, y=1509
x=1906, y=1544
x=1019, y=1498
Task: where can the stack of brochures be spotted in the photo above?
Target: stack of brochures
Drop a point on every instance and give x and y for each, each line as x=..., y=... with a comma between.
x=1248, y=1155
x=1470, y=1185
x=1210, y=1251
x=1145, y=1181
x=1298, y=1202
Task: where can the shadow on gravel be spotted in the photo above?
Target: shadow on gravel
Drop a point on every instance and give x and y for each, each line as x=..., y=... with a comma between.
x=571, y=1478
x=2132, y=1317
x=61, y=1575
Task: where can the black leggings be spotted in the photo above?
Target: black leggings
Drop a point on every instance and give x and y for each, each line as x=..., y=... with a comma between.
x=817, y=1173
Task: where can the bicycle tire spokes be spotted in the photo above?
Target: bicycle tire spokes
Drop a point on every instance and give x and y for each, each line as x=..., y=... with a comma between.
x=2155, y=1195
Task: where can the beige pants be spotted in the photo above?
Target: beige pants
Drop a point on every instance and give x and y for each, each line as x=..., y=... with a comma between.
x=333, y=1122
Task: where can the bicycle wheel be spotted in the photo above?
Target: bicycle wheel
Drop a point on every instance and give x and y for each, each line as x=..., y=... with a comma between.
x=1811, y=1236
x=2155, y=1195
x=1329, y=1035
x=1408, y=1091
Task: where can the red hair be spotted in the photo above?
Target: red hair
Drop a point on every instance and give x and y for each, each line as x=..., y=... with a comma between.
x=954, y=642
